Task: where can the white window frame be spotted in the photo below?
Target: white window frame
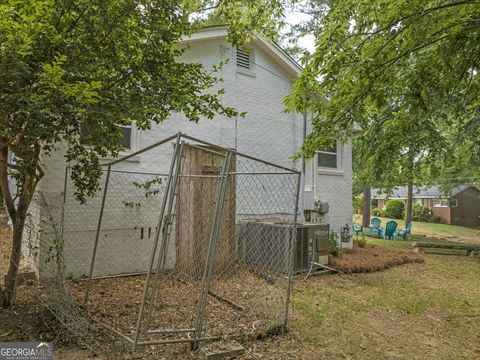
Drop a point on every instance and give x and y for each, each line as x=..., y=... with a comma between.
x=134, y=143
x=134, y=138
x=453, y=203
x=338, y=170
x=440, y=202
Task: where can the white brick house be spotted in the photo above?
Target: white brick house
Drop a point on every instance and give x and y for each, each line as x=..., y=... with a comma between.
x=256, y=81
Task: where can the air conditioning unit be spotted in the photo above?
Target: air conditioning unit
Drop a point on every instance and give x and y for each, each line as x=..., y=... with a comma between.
x=266, y=244
x=312, y=245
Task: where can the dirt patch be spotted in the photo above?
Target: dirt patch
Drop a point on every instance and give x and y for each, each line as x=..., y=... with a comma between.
x=373, y=258
x=241, y=304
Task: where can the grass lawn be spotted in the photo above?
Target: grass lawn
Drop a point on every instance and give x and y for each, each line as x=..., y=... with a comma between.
x=414, y=311
x=432, y=232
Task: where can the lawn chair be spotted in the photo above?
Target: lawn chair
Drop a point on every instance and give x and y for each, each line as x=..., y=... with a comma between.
x=374, y=227
x=405, y=232
x=357, y=229
x=390, y=231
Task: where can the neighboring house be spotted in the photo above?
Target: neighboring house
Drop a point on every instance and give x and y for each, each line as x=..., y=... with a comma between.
x=459, y=206
x=256, y=80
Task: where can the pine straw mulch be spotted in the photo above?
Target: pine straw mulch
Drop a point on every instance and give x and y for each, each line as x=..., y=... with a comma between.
x=373, y=258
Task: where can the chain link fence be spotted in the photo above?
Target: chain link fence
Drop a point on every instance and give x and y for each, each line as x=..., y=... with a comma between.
x=43, y=249
x=185, y=242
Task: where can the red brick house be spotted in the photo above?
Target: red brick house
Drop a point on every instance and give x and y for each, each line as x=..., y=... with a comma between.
x=459, y=206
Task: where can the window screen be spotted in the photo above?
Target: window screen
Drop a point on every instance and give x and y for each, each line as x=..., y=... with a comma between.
x=125, y=140
x=440, y=202
x=327, y=156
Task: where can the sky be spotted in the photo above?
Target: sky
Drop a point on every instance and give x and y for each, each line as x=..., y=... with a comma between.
x=295, y=17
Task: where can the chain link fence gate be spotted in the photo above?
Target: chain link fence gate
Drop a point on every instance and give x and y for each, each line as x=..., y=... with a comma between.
x=212, y=229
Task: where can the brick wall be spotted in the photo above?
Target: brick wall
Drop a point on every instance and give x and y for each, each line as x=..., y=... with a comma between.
x=265, y=132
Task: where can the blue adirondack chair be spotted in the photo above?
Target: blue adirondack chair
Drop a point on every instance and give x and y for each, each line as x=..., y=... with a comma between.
x=357, y=229
x=390, y=231
x=405, y=232
x=374, y=227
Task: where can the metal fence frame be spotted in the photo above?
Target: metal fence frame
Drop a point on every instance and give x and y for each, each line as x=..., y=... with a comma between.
x=148, y=297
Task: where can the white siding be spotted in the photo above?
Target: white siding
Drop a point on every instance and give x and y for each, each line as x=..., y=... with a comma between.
x=265, y=132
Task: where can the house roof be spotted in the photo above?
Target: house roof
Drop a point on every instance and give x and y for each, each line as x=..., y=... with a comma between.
x=271, y=48
x=433, y=191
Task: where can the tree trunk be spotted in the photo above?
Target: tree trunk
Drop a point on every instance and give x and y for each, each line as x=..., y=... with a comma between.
x=18, y=213
x=408, y=216
x=8, y=293
x=367, y=201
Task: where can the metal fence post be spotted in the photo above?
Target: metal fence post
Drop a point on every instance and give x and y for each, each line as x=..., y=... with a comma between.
x=293, y=243
x=155, y=243
x=165, y=238
x=97, y=235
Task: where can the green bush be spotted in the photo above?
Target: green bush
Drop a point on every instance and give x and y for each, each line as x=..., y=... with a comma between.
x=437, y=219
x=395, y=209
x=358, y=204
x=333, y=244
x=361, y=240
x=421, y=213
x=377, y=212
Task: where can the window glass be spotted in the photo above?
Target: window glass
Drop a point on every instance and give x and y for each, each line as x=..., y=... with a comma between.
x=327, y=155
x=440, y=202
x=327, y=160
x=125, y=140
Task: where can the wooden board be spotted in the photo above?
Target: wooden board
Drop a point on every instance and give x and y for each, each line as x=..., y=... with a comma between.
x=195, y=209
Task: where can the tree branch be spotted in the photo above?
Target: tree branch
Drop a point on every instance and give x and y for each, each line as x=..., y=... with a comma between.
x=210, y=7
x=422, y=13
x=16, y=168
x=75, y=22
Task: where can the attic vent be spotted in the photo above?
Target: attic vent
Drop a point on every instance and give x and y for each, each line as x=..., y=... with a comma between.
x=243, y=58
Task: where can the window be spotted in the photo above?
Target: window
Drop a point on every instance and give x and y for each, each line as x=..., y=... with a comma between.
x=125, y=140
x=427, y=203
x=440, y=202
x=328, y=156
x=453, y=203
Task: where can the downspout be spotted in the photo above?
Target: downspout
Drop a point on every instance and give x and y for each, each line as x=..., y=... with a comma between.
x=304, y=166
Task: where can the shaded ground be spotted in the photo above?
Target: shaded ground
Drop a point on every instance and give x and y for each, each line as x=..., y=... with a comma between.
x=242, y=299
x=414, y=311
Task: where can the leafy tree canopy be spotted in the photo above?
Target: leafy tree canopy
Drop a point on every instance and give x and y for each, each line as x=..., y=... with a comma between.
x=406, y=70
x=101, y=64
x=68, y=65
